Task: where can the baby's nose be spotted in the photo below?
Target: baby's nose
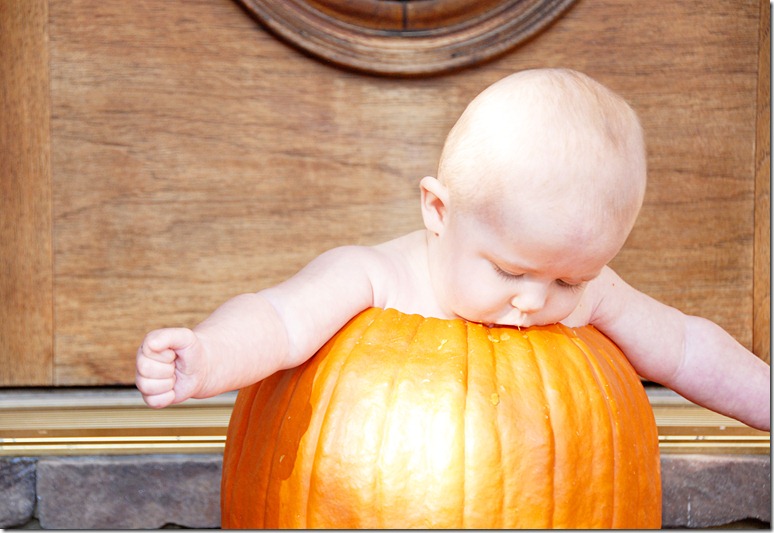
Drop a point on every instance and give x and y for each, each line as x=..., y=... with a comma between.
x=531, y=299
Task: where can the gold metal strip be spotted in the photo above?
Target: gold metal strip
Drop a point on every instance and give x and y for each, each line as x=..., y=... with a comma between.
x=112, y=446
x=109, y=423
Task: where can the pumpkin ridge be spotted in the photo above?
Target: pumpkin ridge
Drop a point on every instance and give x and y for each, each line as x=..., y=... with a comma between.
x=588, y=349
x=557, y=368
x=234, y=450
x=372, y=316
x=271, y=394
x=493, y=354
x=541, y=372
x=526, y=432
x=614, y=405
x=377, y=482
x=295, y=378
x=464, y=418
x=271, y=391
x=283, y=397
x=475, y=396
x=631, y=396
x=626, y=402
x=377, y=491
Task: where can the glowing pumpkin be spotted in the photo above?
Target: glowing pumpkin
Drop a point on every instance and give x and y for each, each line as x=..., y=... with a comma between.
x=405, y=422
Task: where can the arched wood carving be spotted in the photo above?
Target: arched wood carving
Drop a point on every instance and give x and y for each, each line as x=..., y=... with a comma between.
x=406, y=37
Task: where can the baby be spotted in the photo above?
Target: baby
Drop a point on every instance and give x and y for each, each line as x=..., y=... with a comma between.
x=539, y=184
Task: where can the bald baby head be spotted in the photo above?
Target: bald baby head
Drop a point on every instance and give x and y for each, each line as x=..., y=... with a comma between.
x=549, y=137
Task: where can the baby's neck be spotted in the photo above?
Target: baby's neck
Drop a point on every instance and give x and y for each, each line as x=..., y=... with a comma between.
x=408, y=287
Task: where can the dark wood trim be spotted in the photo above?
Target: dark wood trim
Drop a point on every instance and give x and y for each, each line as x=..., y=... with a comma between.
x=403, y=38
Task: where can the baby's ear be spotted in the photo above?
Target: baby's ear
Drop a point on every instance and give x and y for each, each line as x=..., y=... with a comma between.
x=435, y=199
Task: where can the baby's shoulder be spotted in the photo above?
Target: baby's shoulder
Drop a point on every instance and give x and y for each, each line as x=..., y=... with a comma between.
x=396, y=271
x=381, y=263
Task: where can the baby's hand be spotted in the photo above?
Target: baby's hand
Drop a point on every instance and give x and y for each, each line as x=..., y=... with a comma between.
x=169, y=366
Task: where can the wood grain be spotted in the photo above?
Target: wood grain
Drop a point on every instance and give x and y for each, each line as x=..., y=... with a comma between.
x=762, y=266
x=195, y=156
x=26, y=301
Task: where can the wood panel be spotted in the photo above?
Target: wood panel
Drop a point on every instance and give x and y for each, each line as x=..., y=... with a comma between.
x=762, y=266
x=194, y=156
x=26, y=302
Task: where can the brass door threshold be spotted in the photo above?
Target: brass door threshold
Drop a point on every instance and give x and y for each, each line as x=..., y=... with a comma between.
x=116, y=421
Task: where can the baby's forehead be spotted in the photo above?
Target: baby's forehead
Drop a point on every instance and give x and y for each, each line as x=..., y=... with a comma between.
x=520, y=233
x=571, y=208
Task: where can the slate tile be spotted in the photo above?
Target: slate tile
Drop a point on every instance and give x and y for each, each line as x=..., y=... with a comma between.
x=711, y=490
x=129, y=492
x=17, y=490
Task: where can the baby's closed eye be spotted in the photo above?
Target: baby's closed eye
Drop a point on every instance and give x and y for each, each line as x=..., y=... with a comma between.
x=505, y=275
x=511, y=276
x=571, y=286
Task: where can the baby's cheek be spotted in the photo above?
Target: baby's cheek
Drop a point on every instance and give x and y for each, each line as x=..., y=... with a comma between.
x=485, y=306
x=567, y=309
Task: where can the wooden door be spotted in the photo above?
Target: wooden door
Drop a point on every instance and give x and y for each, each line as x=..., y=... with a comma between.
x=160, y=157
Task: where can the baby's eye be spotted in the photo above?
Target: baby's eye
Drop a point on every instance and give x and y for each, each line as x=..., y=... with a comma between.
x=505, y=275
x=571, y=286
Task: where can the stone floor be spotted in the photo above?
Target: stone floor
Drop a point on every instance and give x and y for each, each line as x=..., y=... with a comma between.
x=183, y=491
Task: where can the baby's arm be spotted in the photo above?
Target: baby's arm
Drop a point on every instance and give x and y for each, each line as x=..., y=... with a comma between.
x=252, y=336
x=691, y=355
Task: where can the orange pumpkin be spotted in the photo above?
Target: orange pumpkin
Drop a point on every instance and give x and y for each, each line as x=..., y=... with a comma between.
x=400, y=421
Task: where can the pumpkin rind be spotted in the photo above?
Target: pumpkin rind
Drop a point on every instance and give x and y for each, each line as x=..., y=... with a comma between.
x=402, y=421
